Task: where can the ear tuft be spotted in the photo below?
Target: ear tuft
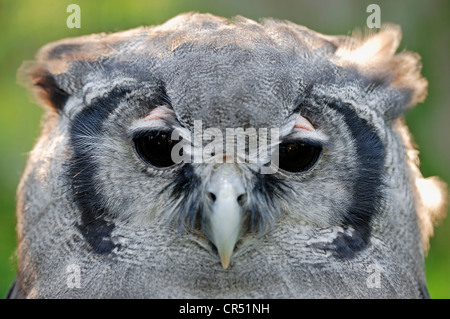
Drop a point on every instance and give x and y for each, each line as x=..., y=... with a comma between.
x=406, y=68
x=50, y=76
x=371, y=48
x=374, y=55
x=44, y=86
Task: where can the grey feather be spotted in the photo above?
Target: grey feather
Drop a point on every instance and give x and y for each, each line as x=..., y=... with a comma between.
x=87, y=199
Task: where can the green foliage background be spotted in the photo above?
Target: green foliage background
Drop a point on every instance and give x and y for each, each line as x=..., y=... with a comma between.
x=27, y=25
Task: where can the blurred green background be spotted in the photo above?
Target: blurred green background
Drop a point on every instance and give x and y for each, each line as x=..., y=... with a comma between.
x=27, y=25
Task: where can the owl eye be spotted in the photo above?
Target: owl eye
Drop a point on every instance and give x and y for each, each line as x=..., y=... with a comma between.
x=298, y=156
x=154, y=148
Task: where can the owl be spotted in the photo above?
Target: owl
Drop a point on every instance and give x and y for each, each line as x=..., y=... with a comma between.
x=132, y=190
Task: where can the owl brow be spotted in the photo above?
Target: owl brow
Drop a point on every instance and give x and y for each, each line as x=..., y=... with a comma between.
x=162, y=94
x=300, y=101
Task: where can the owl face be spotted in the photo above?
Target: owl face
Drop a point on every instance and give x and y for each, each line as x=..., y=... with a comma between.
x=122, y=108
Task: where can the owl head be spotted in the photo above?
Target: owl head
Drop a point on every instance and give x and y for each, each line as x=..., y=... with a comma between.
x=104, y=187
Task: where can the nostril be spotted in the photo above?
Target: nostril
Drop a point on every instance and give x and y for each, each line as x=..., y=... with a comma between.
x=241, y=199
x=212, y=197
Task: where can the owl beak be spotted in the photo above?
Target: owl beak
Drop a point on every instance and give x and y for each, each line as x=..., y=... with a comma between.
x=224, y=224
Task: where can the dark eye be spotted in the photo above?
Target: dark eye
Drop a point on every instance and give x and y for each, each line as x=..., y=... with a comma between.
x=298, y=156
x=154, y=148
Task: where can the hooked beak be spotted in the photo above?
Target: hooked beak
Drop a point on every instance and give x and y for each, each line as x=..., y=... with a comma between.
x=224, y=225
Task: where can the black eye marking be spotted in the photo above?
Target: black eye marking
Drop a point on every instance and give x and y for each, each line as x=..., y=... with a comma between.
x=83, y=170
x=154, y=148
x=297, y=156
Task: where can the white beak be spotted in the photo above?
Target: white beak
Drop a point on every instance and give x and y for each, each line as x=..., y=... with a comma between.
x=224, y=225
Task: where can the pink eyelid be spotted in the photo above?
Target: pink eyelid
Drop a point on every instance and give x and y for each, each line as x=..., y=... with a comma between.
x=304, y=124
x=304, y=128
x=156, y=114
